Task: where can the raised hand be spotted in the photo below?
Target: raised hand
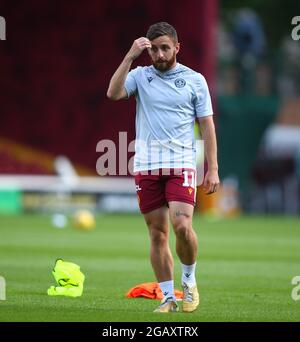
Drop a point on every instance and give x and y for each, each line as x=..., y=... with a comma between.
x=138, y=46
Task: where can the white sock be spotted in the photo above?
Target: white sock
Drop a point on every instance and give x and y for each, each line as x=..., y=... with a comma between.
x=167, y=288
x=188, y=274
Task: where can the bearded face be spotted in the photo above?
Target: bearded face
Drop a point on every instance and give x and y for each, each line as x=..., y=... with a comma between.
x=164, y=64
x=163, y=53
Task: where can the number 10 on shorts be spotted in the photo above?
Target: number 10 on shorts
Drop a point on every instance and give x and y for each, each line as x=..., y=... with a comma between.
x=189, y=178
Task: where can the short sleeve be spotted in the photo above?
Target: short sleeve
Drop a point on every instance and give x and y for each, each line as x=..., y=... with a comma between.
x=203, y=106
x=130, y=82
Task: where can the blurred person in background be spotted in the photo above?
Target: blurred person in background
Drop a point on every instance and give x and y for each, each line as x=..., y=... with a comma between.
x=250, y=43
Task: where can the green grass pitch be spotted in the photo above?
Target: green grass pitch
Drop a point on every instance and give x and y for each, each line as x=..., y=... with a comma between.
x=244, y=273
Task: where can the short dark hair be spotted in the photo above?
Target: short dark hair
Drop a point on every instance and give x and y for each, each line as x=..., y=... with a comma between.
x=162, y=29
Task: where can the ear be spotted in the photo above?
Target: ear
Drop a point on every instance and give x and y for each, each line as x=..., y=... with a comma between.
x=177, y=47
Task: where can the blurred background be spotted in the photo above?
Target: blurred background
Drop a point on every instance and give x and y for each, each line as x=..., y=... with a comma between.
x=56, y=63
x=55, y=66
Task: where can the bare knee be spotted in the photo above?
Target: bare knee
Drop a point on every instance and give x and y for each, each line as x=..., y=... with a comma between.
x=158, y=235
x=182, y=230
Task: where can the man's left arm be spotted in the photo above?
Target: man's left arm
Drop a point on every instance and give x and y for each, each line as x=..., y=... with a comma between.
x=208, y=133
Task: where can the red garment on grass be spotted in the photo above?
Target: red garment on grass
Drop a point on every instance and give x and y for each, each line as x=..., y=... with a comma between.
x=149, y=290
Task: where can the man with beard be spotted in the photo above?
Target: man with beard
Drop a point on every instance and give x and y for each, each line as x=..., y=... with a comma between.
x=170, y=97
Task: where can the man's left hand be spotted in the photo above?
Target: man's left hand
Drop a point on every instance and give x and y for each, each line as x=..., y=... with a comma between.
x=211, y=182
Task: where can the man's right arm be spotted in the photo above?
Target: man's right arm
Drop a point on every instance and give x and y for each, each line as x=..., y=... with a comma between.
x=116, y=90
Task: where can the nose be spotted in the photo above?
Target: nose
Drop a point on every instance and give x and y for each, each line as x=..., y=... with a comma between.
x=160, y=54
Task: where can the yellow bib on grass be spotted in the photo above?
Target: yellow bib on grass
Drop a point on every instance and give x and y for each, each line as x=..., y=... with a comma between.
x=69, y=279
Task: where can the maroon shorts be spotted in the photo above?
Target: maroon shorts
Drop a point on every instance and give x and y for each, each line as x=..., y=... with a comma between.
x=159, y=187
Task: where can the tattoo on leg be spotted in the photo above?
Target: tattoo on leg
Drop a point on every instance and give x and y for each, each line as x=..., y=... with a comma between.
x=181, y=213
